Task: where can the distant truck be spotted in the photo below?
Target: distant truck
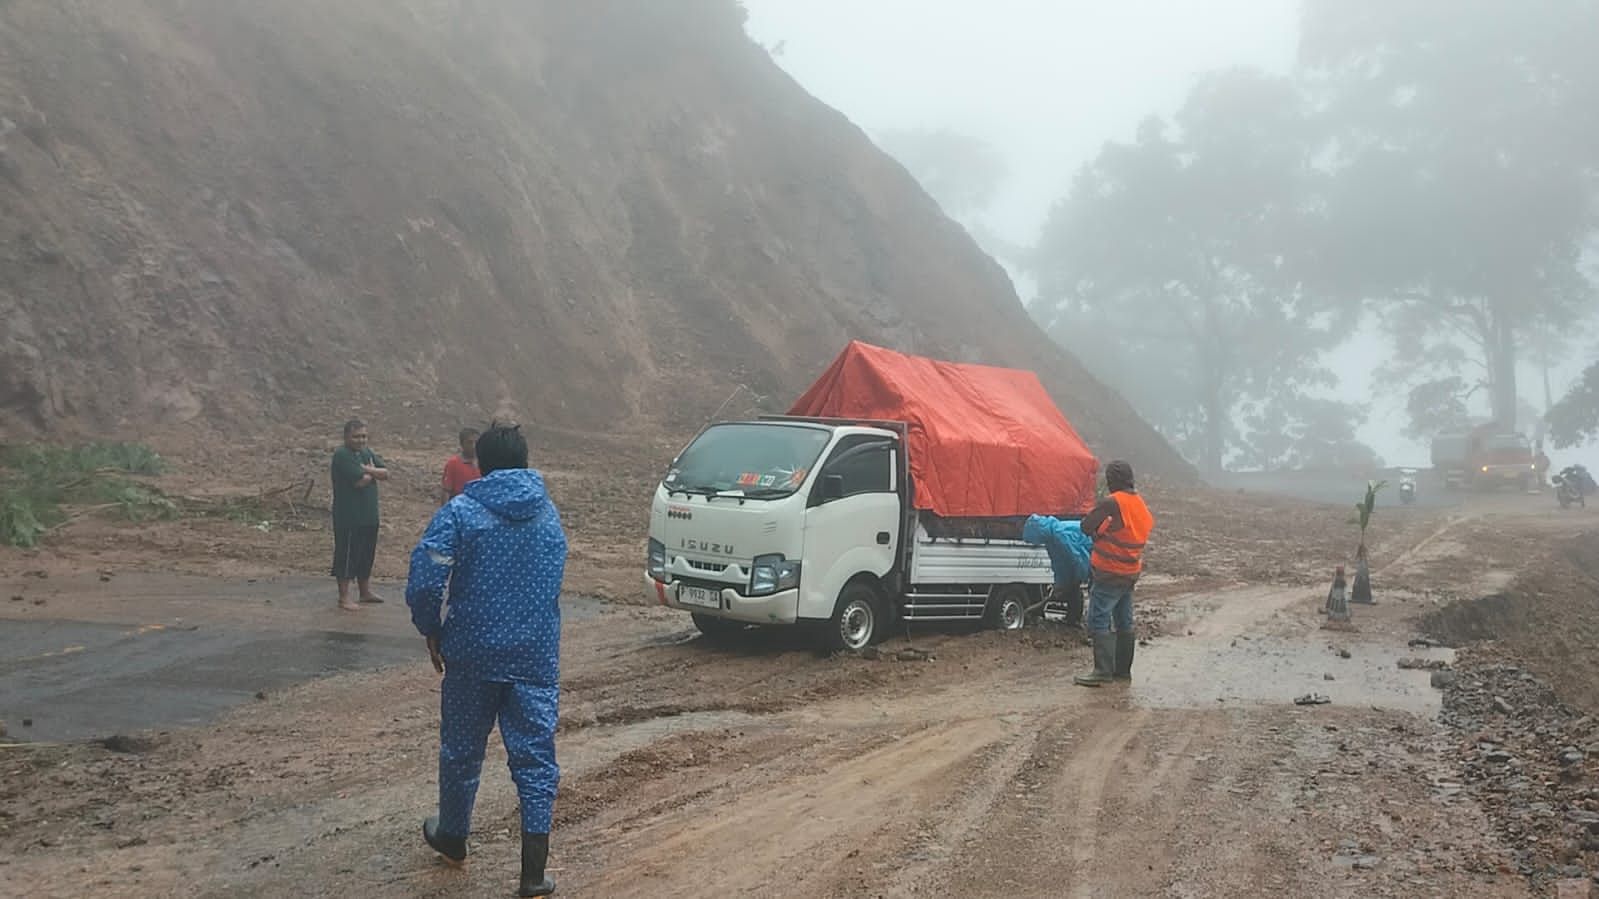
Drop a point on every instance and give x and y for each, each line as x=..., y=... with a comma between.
x=1451, y=460
x=1486, y=457
x=895, y=490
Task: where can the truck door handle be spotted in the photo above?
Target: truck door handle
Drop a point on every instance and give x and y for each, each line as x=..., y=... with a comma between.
x=882, y=538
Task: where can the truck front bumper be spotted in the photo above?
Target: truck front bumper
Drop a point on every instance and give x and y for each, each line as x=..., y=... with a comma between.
x=778, y=608
x=1506, y=474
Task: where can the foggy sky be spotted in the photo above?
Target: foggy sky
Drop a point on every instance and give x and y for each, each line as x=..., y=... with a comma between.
x=1047, y=83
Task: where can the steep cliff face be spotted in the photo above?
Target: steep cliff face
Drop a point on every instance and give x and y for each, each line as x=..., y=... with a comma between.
x=602, y=215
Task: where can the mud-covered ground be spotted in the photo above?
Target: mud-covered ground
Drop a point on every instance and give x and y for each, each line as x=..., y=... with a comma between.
x=764, y=769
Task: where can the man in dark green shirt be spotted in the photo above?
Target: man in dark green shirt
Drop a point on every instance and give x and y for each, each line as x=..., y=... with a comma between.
x=356, y=471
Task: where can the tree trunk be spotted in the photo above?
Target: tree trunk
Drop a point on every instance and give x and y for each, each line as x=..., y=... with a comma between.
x=1217, y=408
x=1215, y=431
x=1502, y=366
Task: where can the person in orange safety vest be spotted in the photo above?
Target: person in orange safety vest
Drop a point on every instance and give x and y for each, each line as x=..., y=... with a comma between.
x=1120, y=526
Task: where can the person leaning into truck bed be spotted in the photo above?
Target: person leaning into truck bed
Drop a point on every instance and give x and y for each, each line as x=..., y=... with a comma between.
x=1120, y=527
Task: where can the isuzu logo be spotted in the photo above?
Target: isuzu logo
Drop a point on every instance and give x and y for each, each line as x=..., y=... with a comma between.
x=703, y=546
x=680, y=513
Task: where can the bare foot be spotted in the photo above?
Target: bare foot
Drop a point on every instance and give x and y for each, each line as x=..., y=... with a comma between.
x=346, y=605
x=371, y=598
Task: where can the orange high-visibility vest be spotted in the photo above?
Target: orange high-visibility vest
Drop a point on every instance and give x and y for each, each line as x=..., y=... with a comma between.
x=1121, y=552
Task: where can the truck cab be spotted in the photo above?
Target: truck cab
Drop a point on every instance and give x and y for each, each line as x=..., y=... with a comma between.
x=786, y=521
x=763, y=522
x=1500, y=458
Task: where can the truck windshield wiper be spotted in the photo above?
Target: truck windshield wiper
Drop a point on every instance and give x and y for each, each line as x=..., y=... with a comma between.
x=767, y=493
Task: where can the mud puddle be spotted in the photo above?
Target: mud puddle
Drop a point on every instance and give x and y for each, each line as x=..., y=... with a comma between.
x=92, y=656
x=83, y=680
x=1197, y=673
x=1281, y=654
x=599, y=745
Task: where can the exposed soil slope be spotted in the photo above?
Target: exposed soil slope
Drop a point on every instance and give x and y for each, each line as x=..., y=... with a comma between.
x=602, y=215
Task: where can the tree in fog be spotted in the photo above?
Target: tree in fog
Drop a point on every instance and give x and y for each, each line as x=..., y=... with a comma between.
x=963, y=173
x=1462, y=145
x=1312, y=433
x=1170, y=267
x=1575, y=419
x=1437, y=407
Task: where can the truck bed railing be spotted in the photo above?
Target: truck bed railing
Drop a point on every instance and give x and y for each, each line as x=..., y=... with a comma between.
x=898, y=427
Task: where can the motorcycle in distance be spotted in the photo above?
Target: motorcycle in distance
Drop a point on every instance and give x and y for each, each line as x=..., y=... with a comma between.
x=1407, y=485
x=1572, y=486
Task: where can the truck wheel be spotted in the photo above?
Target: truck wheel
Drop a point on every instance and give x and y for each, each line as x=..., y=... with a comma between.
x=718, y=629
x=858, y=619
x=1007, y=608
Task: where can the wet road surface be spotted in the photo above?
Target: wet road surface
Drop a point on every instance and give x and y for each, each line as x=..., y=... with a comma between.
x=82, y=659
x=82, y=680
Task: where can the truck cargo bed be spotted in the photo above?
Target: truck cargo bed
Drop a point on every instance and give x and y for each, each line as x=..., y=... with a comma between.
x=976, y=560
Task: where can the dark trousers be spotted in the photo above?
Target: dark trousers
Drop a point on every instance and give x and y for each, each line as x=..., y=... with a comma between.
x=354, y=549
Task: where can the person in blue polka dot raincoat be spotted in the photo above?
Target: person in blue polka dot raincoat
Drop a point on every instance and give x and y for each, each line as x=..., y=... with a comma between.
x=484, y=588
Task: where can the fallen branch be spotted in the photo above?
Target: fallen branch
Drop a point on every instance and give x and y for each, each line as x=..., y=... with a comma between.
x=81, y=512
x=100, y=473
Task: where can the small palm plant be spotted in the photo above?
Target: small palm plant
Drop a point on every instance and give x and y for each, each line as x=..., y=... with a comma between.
x=1363, y=512
x=1361, y=591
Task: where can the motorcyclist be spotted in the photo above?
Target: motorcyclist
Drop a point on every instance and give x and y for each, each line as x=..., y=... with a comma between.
x=1574, y=479
x=1407, y=485
x=1585, y=482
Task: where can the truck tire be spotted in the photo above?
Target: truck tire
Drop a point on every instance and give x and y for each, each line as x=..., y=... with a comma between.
x=717, y=629
x=859, y=619
x=1007, y=608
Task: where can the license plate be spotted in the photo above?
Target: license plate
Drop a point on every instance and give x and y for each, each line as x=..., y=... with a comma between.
x=699, y=596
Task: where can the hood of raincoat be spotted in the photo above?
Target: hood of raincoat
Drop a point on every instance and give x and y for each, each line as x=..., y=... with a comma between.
x=516, y=494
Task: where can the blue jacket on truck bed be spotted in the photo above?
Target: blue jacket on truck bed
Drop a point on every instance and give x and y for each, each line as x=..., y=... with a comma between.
x=499, y=551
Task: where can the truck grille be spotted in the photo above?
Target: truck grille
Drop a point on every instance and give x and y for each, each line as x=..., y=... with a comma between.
x=711, y=567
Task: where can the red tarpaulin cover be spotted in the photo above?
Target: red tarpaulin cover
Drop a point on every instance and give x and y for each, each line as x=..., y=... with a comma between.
x=984, y=442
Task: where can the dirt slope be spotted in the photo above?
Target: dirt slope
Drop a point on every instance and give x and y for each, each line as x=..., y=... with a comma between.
x=602, y=216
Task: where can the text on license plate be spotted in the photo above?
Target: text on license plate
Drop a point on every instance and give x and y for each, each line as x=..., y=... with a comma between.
x=699, y=596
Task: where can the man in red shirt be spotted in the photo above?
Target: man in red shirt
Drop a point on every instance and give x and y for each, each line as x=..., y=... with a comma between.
x=461, y=469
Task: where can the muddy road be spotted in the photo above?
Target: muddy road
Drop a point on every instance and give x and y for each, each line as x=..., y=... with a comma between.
x=763, y=769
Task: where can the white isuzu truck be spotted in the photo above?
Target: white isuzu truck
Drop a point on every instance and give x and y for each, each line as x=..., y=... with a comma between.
x=893, y=491
x=794, y=520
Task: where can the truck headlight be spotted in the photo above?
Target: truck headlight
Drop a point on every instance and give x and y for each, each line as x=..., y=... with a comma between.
x=656, y=564
x=773, y=573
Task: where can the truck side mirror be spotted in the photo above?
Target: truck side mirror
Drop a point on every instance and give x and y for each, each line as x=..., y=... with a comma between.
x=832, y=487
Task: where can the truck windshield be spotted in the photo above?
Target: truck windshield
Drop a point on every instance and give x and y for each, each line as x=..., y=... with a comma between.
x=754, y=459
x=1508, y=443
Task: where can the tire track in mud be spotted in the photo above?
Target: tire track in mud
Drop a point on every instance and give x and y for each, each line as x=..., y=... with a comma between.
x=943, y=834
x=1042, y=835
x=1084, y=780
x=795, y=829
x=1451, y=522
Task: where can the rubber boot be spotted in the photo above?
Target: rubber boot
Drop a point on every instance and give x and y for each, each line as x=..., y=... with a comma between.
x=1126, y=643
x=535, y=852
x=452, y=848
x=1074, y=606
x=1104, y=663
